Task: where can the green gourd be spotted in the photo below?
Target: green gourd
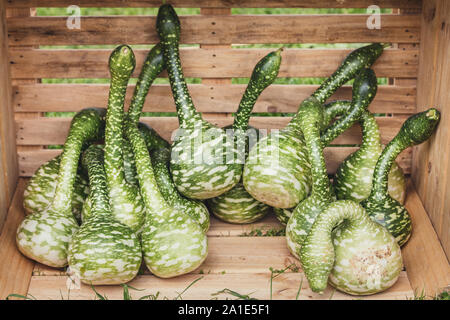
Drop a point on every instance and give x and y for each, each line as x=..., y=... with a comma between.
x=41, y=187
x=204, y=160
x=126, y=201
x=44, y=236
x=172, y=242
x=350, y=251
x=277, y=171
x=193, y=208
x=380, y=206
x=104, y=250
x=353, y=179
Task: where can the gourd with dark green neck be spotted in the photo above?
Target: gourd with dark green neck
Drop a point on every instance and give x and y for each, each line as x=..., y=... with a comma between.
x=310, y=117
x=204, y=158
x=126, y=201
x=172, y=242
x=350, y=251
x=380, y=206
x=44, y=236
x=194, y=208
x=353, y=179
x=104, y=250
x=277, y=171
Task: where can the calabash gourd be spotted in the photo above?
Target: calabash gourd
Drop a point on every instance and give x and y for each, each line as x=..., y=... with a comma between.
x=380, y=206
x=172, y=242
x=104, y=250
x=353, y=179
x=350, y=251
x=277, y=171
x=237, y=205
x=204, y=160
x=44, y=236
x=126, y=201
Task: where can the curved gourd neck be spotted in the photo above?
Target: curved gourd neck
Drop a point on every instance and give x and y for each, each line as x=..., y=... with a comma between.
x=93, y=160
x=151, y=68
x=160, y=160
x=370, y=133
x=153, y=199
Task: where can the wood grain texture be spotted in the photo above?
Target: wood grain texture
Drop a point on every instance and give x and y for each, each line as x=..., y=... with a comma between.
x=29, y=161
x=423, y=256
x=15, y=269
x=431, y=169
x=211, y=98
x=8, y=159
x=204, y=63
x=201, y=29
x=220, y=3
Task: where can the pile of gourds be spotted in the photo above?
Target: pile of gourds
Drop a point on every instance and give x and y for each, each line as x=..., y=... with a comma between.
x=119, y=192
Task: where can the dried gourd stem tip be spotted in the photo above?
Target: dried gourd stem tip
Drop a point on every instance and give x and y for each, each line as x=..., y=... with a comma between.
x=433, y=113
x=278, y=52
x=386, y=45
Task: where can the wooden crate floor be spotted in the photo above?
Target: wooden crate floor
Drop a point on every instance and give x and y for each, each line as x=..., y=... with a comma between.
x=236, y=261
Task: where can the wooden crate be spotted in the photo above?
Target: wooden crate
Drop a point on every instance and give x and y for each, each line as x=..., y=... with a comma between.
x=416, y=67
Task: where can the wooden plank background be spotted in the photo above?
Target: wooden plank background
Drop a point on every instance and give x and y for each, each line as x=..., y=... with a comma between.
x=215, y=61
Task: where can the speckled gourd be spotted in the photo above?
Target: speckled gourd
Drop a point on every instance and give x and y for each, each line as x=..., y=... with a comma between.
x=277, y=171
x=104, y=250
x=194, y=208
x=353, y=179
x=44, y=236
x=237, y=205
x=380, y=206
x=126, y=202
x=172, y=242
x=204, y=161
x=350, y=251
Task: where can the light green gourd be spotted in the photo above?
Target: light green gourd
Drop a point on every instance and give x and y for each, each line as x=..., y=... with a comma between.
x=172, y=242
x=44, y=236
x=380, y=206
x=277, y=171
x=104, y=250
x=350, y=251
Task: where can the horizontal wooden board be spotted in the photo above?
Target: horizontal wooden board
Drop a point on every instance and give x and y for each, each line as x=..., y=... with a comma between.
x=207, y=98
x=220, y=3
x=46, y=131
x=204, y=63
x=284, y=286
x=216, y=29
x=29, y=162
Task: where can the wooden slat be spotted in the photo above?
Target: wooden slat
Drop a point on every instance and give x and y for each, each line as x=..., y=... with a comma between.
x=29, y=162
x=423, y=256
x=431, y=159
x=216, y=29
x=284, y=287
x=54, y=130
x=220, y=3
x=204, y=63
x=15, y=269
x=207, y=98
x=8, y=159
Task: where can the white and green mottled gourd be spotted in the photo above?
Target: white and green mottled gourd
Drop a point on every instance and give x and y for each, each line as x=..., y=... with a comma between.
x=172, y=242
x=350, y=251
x=204, y=161
x=194, y=208
x=104, y=250
x=353, y=179
x=311, y=119
x=41, y=187
x=126, y=201
x=380, y=206
x=237, y=205
x=44, y=236
x=277, y=171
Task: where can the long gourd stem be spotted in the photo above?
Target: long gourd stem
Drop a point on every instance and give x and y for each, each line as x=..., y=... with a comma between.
x=154, y=201
x=93, y=161
x=335, y=109
x=151, y=68
x=317, y=252
x=160, y=160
